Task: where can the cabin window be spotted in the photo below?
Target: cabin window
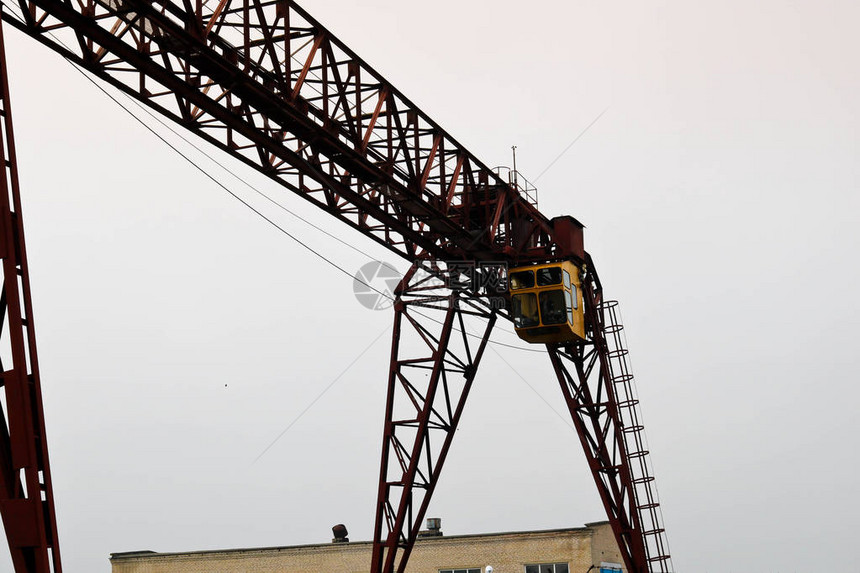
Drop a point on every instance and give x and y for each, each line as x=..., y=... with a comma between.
x=552, y=308
x=575, y=297
x=569, y=304
x=549, y=276
x=522, y=279
x=566, y=279
x=525, y=310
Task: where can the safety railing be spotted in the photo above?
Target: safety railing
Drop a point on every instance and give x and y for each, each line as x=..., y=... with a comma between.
x=517, y=181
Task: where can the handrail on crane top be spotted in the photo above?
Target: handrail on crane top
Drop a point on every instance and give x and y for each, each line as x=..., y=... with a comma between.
x=516, y=180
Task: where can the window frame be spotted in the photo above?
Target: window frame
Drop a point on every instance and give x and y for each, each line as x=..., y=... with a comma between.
x=529, y=272
x=570, y=306
x=547, y=271
x=544, y=296
x=521, y=316
x=461, y=570
x=554, y=564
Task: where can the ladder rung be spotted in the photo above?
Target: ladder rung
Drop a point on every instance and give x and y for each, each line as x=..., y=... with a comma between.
x=654, y=532
x=618, y=353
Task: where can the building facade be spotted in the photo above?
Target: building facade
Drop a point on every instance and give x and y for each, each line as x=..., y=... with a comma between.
x=572, y=550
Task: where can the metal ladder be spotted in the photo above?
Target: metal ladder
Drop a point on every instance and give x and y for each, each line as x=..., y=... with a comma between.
x=632, y=433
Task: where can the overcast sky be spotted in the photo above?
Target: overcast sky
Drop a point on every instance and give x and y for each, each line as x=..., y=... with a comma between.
x=179, y=334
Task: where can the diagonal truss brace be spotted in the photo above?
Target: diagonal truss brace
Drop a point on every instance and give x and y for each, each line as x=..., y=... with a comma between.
x=434, y=358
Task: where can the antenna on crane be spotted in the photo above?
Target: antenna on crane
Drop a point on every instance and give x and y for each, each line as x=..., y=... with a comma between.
x=514, y=151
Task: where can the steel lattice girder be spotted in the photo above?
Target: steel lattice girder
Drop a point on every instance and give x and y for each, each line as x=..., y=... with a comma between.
x=26, y=497
x=434, y=358
x=267, y=83
x=584, y=375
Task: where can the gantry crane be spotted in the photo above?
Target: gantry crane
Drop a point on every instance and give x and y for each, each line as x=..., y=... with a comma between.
x=269, y=85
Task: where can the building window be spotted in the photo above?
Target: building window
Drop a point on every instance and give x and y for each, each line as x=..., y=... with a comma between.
x=469, y=570
x=547, y=568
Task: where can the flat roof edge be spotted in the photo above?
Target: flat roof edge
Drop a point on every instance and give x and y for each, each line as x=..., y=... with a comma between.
x=152, y=554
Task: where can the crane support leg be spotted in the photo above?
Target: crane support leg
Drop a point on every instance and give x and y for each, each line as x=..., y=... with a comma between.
x=598, y=391
x=586, y=396
x=26, y=500
x=434, y=357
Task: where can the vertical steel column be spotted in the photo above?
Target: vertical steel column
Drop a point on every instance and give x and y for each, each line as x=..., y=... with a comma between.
x=434, y=358
x=585, y=377
x=26, y=499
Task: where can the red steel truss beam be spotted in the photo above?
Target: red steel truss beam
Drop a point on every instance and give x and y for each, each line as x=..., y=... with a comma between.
x=264, y=81
x=26, y=498
x=592, y=385
x=434, y=358
x=582, y=372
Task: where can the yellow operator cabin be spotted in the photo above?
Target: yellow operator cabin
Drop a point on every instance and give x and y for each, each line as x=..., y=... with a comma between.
x=546, y=302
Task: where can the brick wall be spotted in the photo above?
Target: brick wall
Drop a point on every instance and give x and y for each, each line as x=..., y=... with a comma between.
x=506, y=552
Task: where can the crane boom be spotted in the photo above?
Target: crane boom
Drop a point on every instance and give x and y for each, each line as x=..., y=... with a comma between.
x=268, y=84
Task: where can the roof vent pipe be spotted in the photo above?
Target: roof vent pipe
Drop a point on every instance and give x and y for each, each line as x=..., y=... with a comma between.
x=340, y=534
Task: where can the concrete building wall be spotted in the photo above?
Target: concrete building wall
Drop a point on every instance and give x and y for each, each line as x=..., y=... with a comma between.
x=604, y=549
x=580, y=548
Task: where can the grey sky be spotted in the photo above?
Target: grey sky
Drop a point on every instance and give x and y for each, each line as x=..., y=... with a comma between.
x=720, y=194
